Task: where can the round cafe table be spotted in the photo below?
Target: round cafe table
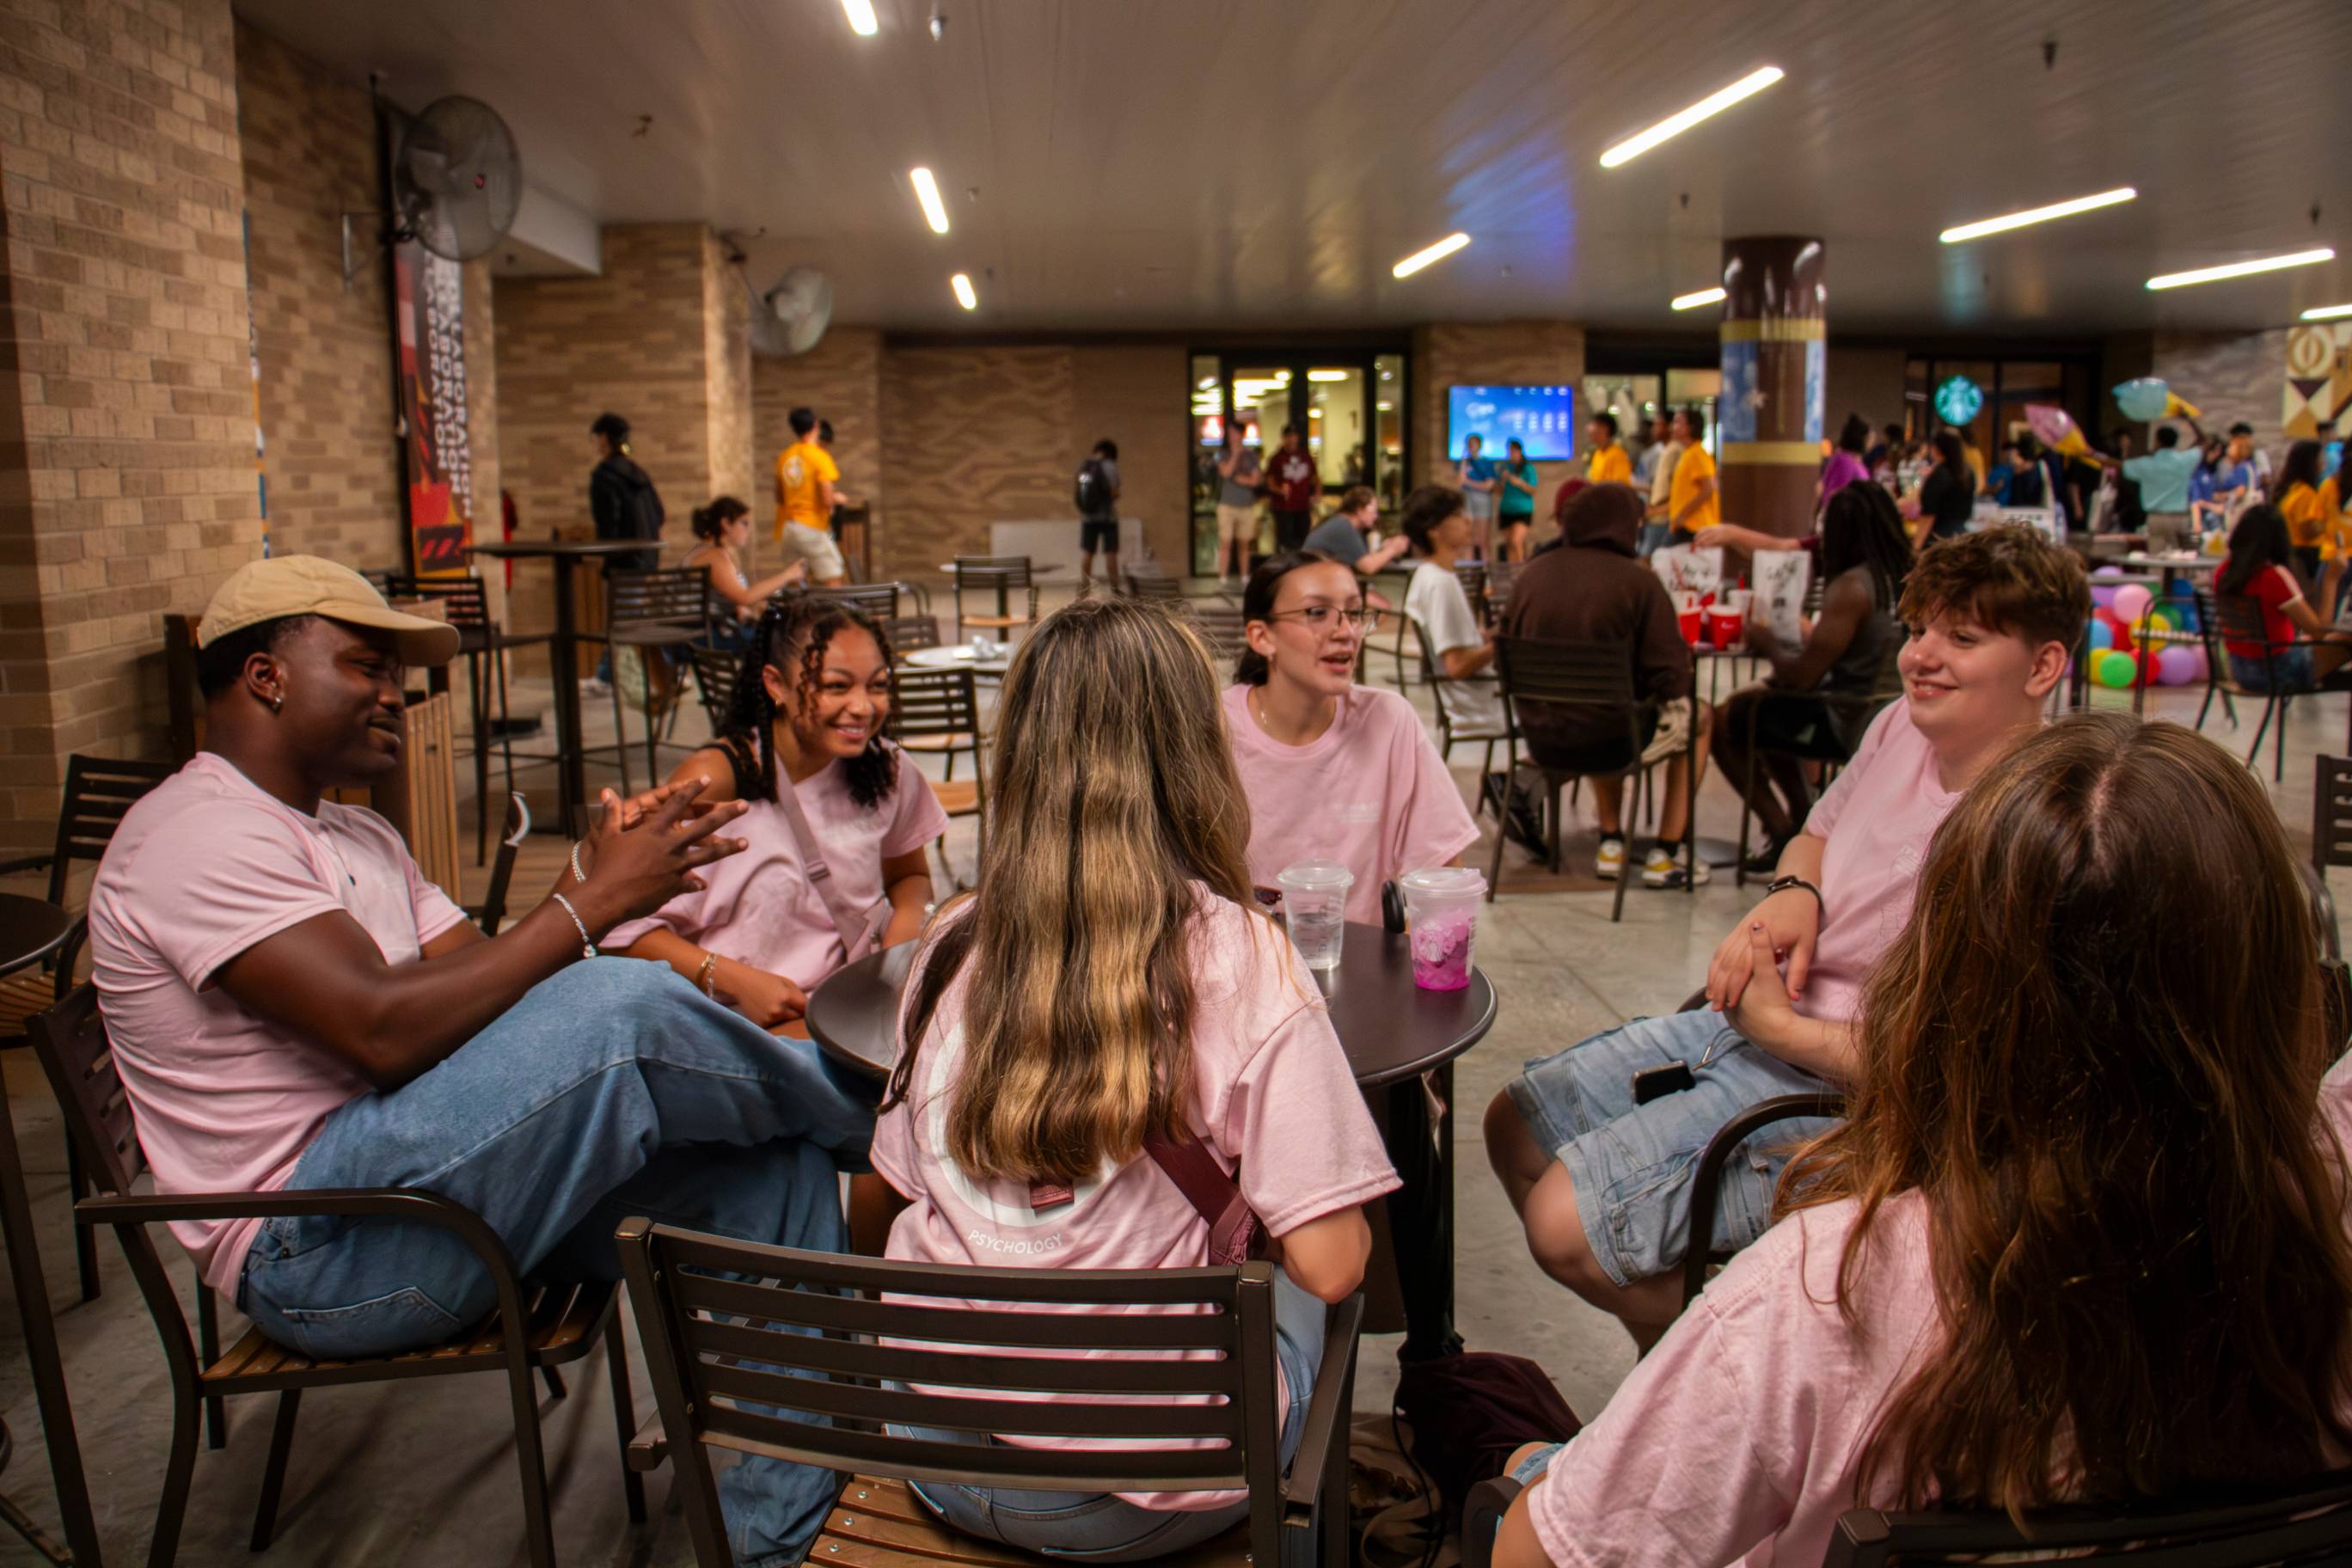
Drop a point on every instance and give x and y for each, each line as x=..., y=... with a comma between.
x=31, y=930
x=957, y=656
x=1400, y=1040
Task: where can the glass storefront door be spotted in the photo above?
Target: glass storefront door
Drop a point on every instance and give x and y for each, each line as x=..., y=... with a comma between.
x=1349, y=407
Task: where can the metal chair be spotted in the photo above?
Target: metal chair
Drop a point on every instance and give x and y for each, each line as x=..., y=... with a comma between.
x=1000, y=576
x=1452, y=729
x=483, y=644
x=98, y=791
x=659, y=613
x=534, y=1331
x=938, y=711
x=879, y=600
x=1223, y=628
x=492, y=910
x=2242, y=622
x=2217, y=664
x=1594, y=675
x=716, y=1318
x=715, y=673
x=910, y=632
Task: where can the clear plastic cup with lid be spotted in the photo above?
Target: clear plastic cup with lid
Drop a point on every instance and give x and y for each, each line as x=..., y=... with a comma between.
x=1315, y=906
x=1440, y=916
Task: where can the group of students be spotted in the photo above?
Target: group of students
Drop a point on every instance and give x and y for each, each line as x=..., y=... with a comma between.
x=2080, y=1233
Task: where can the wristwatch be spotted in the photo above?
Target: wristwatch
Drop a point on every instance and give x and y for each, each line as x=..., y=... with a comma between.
x=1782, y=884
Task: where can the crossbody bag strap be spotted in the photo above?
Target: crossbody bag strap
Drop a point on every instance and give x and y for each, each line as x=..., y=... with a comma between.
x=860, y=933
x=1235, y=1235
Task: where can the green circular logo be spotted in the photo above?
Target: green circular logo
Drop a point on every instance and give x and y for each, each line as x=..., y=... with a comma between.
x=1959, y=400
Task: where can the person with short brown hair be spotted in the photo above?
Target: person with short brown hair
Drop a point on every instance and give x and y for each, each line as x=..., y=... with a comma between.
x=1346, y=536
x=1601, y=1179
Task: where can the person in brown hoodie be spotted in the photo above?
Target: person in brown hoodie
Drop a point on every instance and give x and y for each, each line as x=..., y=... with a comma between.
x=1594, y=588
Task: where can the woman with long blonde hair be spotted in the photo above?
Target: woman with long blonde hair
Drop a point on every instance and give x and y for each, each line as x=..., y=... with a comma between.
x=2082, y=1234
x=1109, y=983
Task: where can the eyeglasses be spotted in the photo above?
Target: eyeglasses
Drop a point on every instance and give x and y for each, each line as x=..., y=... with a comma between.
x=1326, y=617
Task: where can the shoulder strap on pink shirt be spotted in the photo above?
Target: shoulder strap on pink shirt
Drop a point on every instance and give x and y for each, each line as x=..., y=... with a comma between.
x=1235, y=1235
x=860, y=933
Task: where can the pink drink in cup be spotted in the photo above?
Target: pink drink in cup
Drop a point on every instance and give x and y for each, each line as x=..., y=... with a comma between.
x=1441, y=912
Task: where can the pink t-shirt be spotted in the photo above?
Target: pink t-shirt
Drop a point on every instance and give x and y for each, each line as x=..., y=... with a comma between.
x=1877, y=818
x=1272, y=1092
x=203, y=869
x=1370, y=791
x=1736, y=1440
x=760, y=907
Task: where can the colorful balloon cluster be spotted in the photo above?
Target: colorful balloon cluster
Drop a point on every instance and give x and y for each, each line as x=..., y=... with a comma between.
x=2123, y=655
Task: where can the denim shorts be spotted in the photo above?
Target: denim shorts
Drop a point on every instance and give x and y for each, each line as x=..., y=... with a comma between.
x=1632, y=1165
x=2292, y=665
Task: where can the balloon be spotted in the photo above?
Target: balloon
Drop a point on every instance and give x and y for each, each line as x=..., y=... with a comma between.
x=2056, y=428
x=2180, y=666
x=2108, y=571
x=2132, y=601
x=2102, y=598
x=2165, y=618
x=2143, y=399
x=2120, y=630
x=2178, y=408
x=2102, y=635
x=2115, y=670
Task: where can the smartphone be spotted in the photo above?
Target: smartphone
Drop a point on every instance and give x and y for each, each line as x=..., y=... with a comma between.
x=1654, y=1083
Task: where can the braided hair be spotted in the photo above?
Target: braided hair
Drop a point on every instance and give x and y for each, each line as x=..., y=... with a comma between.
x=790, y=638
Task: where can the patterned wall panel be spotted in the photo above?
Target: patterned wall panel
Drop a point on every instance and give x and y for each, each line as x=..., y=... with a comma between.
x=972, y=436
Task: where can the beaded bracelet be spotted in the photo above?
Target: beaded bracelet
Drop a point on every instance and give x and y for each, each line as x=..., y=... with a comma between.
x=587, y=942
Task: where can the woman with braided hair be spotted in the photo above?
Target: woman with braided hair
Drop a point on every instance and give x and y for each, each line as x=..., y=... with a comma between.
x=805, y=731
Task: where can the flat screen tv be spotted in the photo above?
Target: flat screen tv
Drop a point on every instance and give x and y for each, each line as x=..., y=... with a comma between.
x=1541, y=418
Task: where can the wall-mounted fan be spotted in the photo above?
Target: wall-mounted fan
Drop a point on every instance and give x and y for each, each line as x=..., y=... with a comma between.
x=790, y=315
x=457, y=183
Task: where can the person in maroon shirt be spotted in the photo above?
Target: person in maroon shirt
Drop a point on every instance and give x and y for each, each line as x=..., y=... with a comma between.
x=1294, y=484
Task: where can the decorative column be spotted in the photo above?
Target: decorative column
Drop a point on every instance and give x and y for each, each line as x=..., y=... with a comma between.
x=1774, y=345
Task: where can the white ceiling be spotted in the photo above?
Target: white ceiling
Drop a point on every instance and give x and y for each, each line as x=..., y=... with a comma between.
x=1191, y=164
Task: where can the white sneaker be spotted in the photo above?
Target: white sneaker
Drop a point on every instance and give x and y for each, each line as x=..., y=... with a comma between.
x=1609, y=864
x=592, y=687
x=1664, y=870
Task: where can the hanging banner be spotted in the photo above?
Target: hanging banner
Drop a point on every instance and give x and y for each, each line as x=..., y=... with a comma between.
x=429, y=316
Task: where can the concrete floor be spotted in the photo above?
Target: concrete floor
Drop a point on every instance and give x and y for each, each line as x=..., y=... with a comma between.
x=425, y=1474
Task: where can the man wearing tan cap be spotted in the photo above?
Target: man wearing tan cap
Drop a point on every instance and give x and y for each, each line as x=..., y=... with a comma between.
x=292, y=1005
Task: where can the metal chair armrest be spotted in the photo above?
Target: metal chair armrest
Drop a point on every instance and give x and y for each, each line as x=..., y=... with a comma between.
x=1324, y=1410
x=1708, y=1177
x=1482, y=1519
x=390, y=1202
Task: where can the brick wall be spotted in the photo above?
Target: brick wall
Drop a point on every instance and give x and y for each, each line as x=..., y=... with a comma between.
x=1498, y=353
x=840, y=378
x=126, y=402
x=334, y=459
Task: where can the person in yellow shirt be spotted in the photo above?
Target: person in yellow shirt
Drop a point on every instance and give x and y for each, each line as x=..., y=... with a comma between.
x=1691, y=502
x=805, y=476
x=2315, y=506
x=1608, y=465
x=2298, y=502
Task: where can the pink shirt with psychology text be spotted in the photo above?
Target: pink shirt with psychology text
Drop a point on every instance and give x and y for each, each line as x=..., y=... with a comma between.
x=1877, y=820
x=1272, y=1096
x=206, y=867
x=1370, y=791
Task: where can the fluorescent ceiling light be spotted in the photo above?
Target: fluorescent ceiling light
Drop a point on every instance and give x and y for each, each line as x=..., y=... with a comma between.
x=2327, y=312
x=2240, y=268
x=2037, y=215
x=961, y=284
x=861, y=16
x=1329, y=374
x=1438, y=252
x=926, y=191
x=1692, y=302
x=1635, y=146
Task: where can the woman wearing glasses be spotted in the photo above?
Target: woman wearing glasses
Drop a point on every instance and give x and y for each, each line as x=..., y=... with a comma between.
x=1332, y=770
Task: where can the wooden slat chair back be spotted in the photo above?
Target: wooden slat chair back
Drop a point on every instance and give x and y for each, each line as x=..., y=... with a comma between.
x=715, y=674
x=910, y=632
x=679, y=595
x=879, y=600
x=730, y=1328
x=2331, y=812
x=534, y=1329
x=659, y=612
x=1571, y=674
x=937, y=711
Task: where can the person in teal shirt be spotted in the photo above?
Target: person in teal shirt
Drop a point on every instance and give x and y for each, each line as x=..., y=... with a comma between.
x=1516, y=514
x=2163, y=478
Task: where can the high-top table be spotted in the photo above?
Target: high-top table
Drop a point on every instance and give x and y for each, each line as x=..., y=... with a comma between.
x=31, y=931
x=564, y=657
x=1392, y=1031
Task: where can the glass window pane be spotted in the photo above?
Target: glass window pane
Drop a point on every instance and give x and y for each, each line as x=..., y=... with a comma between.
x=1388, y=412
x=1335, y=427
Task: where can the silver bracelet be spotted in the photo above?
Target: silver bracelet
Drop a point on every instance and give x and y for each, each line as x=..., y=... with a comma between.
x=587, y=942
x=577, y=874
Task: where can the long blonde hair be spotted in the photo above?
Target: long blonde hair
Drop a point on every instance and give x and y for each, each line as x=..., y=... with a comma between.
x=1113, y=800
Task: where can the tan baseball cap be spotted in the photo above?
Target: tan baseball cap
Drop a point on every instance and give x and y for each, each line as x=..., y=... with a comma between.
x=286, y=586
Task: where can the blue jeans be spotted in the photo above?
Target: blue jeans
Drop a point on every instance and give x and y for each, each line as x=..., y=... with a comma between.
x=1101, y=1526
x=1653, y=539
x=613, y=1089
x=2293, y=666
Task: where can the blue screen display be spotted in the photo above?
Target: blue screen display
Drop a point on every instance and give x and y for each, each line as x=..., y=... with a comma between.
x=1540, y=418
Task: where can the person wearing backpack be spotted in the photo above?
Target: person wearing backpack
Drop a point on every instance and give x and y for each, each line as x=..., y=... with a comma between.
x=623, y=504
x=1096, y=499
x=1109, y=1041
